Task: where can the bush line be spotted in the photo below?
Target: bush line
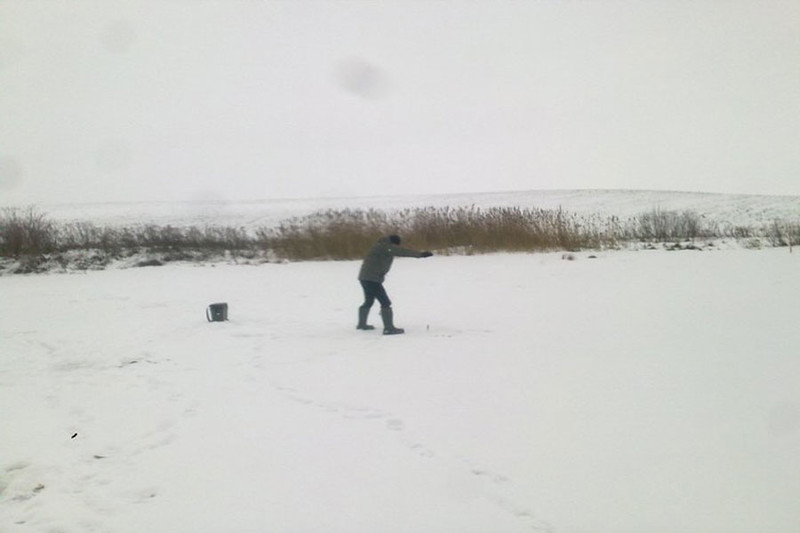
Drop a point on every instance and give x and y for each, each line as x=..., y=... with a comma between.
x=346, y=234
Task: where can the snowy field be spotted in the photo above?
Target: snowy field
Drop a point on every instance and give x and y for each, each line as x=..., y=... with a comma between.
x=638, y=392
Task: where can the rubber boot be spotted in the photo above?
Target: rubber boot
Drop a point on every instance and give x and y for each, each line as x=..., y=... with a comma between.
x=388, y=322
x=362, y=318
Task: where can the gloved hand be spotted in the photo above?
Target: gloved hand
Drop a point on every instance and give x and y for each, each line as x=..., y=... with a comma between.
x=426, y=254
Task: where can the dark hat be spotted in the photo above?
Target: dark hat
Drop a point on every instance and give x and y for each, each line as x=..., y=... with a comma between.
x=394, y=239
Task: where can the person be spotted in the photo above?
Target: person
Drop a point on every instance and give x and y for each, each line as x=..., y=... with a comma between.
x=376, y=265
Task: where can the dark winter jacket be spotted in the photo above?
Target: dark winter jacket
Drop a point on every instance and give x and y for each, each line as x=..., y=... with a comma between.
x=379, y=259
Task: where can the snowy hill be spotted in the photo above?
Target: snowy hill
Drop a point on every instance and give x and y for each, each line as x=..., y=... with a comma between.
x=739, y=210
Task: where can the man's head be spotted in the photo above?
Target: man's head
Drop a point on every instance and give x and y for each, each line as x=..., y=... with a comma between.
x=394, y=239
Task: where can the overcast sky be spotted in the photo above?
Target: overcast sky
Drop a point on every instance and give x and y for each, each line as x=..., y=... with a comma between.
x=198, y=99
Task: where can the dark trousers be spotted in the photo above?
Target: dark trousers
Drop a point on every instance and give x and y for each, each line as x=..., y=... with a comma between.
x=374, y=291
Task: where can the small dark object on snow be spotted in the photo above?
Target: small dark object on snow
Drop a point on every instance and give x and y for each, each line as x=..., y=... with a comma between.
x=74, y=435
x=217, y=312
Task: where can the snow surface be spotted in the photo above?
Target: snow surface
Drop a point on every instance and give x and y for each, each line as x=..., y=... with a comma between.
x=634, y=392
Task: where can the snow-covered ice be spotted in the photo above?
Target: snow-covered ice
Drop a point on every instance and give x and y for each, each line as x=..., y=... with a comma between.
x=634, y=392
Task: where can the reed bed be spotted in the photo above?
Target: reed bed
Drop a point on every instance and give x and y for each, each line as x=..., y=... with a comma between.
x=27, y=234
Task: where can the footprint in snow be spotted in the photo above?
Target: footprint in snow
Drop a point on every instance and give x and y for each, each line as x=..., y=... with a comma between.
x=21, y=465
x=496, y=478
x=422, y=451
x=395, y=424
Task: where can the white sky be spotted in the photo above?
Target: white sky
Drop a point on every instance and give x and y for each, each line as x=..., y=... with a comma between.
x=197, y=99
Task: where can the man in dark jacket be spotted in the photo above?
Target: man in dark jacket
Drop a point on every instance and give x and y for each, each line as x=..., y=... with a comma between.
x=376, y=264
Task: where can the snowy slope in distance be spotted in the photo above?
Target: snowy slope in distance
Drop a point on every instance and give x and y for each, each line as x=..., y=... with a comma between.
x=743, y=210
